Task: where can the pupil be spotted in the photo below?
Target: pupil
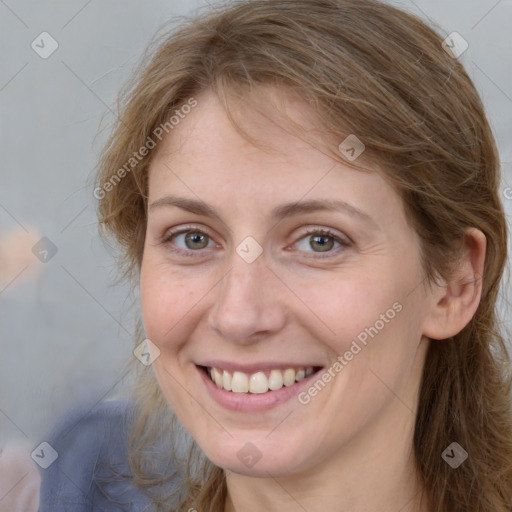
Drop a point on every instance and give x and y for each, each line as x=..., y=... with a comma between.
x=323, y=242
x=196, y=238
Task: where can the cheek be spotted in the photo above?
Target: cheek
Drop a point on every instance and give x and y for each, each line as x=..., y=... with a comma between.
x=163, y=301
x=371, y=325
x=351, y=307
x=171, y=302
x=382, y=361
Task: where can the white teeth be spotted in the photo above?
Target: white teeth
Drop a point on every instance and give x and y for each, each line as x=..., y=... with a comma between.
x=217, y=377
x=275, y=381
x=289, y=377
x=227, y=379
x=258, y=382
x=240, y=383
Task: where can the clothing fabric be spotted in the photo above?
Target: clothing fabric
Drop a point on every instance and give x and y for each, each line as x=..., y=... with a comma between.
x=91, y=473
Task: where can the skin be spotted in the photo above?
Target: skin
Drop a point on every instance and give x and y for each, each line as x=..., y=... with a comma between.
x=293, y=303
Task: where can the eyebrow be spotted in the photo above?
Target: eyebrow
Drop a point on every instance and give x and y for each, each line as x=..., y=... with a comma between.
x=279, y=212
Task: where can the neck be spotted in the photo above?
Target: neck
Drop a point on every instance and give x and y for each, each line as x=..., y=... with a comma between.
x=375, y=473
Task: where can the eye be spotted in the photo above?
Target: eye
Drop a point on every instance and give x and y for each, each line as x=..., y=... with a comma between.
x=322, y=241
x=187, y=240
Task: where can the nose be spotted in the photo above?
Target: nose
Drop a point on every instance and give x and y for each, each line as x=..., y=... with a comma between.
x=248, y=303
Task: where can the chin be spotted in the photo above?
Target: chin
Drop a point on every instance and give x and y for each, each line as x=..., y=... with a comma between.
x=257, y=459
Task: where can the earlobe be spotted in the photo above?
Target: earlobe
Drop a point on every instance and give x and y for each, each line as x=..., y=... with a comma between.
x=455, y=302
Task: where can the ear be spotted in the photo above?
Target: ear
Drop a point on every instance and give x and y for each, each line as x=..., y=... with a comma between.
x=454, y=303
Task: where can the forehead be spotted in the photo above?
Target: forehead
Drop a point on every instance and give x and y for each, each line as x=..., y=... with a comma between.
x=205, y=153
x=250, y=123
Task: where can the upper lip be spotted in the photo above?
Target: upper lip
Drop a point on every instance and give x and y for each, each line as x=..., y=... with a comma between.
x=255, y=367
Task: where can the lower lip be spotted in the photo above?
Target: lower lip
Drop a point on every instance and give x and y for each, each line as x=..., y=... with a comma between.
x=246, y=402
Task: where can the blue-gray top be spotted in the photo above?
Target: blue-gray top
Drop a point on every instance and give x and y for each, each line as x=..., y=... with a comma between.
x=91, y=473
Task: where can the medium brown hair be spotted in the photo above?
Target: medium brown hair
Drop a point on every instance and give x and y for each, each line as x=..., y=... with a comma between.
x=375, y=71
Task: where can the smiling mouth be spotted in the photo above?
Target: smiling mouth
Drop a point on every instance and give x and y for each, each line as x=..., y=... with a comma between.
x=258, y=382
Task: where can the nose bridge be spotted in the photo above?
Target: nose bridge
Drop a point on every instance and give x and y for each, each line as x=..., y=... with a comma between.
x=245, y=303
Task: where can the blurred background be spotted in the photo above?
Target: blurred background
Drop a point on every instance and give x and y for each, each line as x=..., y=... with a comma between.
x=65, y=326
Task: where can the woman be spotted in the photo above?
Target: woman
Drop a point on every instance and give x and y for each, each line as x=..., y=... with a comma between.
x=307, y=193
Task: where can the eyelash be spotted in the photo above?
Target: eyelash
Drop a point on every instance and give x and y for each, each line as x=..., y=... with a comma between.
x=344, y=242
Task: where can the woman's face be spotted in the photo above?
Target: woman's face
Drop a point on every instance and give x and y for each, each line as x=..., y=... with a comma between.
x=268, y=263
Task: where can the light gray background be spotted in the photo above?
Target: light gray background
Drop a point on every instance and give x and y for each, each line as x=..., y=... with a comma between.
x=65, y=329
